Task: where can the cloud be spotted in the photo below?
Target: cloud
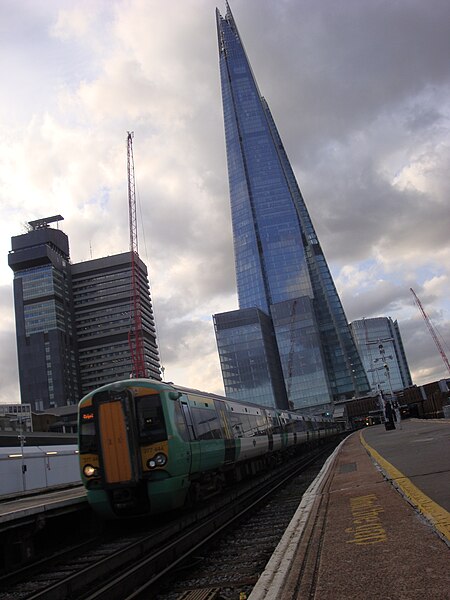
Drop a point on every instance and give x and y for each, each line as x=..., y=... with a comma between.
x=360, y=95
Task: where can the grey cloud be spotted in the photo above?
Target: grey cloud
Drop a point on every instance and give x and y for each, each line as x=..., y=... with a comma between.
x=359, y=90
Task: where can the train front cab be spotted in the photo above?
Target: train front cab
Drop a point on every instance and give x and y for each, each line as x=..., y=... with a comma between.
x=126, y=446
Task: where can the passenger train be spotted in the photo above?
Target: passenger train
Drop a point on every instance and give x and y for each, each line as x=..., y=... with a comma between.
x=146, y=447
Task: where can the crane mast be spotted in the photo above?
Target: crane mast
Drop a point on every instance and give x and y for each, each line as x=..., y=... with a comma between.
x=431, y=329
x=135, y=335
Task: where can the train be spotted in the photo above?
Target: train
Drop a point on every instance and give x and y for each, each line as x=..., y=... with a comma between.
x=148, y=447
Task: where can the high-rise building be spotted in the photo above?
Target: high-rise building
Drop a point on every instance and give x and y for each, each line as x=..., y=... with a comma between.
x=302, y=343
x=73, y=320
x=101, y=299
x=46, y=342
x=381, y=349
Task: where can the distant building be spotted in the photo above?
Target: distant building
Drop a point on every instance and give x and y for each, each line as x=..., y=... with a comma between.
x=381, y=349
x=291, y=345
x=72, y=320
x=16, y=417
x=428, y=401
x=62, y=419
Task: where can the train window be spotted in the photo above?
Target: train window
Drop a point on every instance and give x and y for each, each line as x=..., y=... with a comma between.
x=247, y=425
x=262, y=424
x=150, y=416
x=236, y=425
x=180, y=422
x=88, y=439
x=206, y=423
x=275, y=424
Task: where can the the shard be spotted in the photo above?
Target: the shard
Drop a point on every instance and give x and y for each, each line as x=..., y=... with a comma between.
x=289, y=344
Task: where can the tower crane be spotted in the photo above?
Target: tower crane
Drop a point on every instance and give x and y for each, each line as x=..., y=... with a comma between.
x=431, y=329
x=135, y=335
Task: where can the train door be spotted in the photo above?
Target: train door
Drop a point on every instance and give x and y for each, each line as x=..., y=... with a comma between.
x=118, y=460
x=194, y=446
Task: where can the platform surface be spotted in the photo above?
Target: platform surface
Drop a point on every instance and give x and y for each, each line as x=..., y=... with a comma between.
x=16, y=507
x=358, y=535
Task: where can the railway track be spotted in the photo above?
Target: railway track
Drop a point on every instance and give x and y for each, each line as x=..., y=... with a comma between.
x=232, y=564
x=133, y=566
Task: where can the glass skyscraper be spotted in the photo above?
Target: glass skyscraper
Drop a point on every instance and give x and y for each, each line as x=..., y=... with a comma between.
x=298, y=352
x=381, y=349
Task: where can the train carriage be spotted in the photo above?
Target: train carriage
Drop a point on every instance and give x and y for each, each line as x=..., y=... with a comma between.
x=147, y=447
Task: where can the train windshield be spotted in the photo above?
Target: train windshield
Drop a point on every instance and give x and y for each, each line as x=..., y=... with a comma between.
x=151, y=419
x=88, y=440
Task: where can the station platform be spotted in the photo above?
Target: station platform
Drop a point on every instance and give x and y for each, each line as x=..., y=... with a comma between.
x=375, y=524
x=16, y=508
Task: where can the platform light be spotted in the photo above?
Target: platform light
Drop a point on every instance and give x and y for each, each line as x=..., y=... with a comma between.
x=15, y=455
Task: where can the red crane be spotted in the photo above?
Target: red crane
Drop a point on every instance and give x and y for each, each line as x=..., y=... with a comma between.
x=135, y=335
x=431, y=329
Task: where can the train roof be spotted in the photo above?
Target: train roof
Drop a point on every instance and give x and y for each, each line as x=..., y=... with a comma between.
x=186, y=390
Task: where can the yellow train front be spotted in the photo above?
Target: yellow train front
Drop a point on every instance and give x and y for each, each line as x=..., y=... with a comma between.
x=128, y=445
x=148, y=447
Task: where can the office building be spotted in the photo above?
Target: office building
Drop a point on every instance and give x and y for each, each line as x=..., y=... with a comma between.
x=381, y=349
x=303, y=342
x=46, y=343
x=101, y=298
x=73, y=320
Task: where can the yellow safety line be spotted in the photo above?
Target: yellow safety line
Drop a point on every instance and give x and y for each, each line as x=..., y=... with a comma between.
x=436, y=514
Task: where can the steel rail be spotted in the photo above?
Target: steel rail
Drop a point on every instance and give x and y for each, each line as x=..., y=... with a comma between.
x=186, y=536
x=143, y=576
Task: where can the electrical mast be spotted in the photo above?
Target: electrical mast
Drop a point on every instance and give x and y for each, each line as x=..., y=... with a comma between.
x=135, y=335
x=431, y=329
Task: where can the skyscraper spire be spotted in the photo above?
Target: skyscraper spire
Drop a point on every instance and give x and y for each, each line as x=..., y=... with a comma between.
x=290, y=343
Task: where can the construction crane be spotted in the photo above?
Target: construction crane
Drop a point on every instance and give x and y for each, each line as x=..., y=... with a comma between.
x=431, y=329
x=135, y=335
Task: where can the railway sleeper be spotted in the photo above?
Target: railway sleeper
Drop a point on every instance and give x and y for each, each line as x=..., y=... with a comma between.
x=200, y=594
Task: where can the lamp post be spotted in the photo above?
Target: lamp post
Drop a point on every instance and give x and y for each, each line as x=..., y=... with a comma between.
x=22, y=440
x=393, y=404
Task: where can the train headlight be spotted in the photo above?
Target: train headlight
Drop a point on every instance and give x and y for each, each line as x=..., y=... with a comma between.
x=159, y=460
x=89, y=471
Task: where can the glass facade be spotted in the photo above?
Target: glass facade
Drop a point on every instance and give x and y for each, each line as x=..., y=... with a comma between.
x=250, y=362
x=381, y=349
x=280, y=267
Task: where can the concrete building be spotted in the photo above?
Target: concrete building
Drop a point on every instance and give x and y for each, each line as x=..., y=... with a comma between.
x=16, y=418
x=101, y=298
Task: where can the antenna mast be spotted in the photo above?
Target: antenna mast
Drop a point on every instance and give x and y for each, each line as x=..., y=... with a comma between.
x=135, y=335
x=431, y=329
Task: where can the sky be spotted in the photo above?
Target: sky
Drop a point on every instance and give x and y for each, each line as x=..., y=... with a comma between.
x=360, y=93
